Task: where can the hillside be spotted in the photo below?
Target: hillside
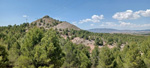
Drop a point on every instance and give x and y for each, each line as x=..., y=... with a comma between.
x=28, y=46
x=76, y=36
x=48, y=22
x=65, y=25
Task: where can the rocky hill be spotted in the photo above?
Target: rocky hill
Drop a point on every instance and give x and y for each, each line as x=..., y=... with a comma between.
x=48, y=22
x=65, y=25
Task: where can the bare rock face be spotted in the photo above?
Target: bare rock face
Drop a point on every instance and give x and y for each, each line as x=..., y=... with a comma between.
x=88, y=43
x=65, y=25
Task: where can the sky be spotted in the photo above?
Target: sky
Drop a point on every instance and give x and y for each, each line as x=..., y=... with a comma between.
x=85, y=14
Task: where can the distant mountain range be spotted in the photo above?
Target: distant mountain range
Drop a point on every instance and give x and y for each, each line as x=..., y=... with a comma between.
x=109, y=30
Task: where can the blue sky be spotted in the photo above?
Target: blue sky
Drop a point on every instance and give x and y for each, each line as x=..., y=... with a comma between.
x=86, y=14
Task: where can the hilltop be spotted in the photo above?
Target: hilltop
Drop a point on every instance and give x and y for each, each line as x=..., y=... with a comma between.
x=48, y=22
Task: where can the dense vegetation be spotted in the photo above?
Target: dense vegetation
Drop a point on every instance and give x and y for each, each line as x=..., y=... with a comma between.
x=22, y=46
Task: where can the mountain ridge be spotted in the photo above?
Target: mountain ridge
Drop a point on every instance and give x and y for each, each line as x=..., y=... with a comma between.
x=110, y=30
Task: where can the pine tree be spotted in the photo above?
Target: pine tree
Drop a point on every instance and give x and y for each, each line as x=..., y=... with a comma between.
x=95, y=57
x=3, y=57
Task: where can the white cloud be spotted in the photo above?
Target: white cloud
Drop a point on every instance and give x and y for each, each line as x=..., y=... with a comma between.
x=129, y=14
x=74, y=23
x=108, y=24
x=111, y=24
x=94, y=19
x=25, y=16
x=144, y=13
x=131, y=25
x=124, y=25
x=92, y=24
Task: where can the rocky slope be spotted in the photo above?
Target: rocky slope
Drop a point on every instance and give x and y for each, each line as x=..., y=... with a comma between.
x=65, y=25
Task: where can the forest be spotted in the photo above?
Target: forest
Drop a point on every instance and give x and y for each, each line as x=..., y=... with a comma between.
x=23, y=46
